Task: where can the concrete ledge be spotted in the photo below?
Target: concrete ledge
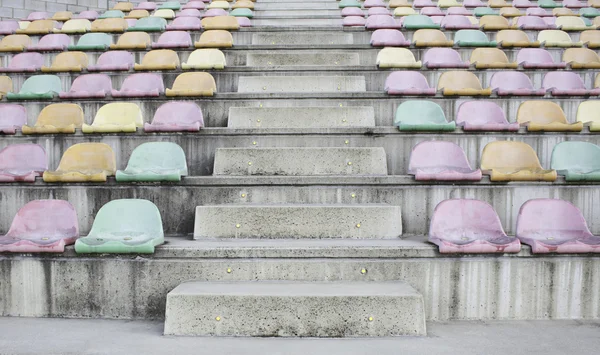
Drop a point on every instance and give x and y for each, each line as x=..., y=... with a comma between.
x=306, y=58
x=300, y=117
x=308, y=84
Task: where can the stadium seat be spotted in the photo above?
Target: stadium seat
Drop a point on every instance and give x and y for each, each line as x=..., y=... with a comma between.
x=493, y=23
x=112, y=14
x=171, y=5
x=215, y=39
x=537, y=58
x=463, y=83
x=577, y=161
x=374, y=3
x=556, y=38
x=397, y=58
x=149, y=24
x=242, y=12
x=159, y=59
x=131, y=22
x=523, y=4
x=404, y=11
x=482, y=115
x=207, y=58
x=431, y=11
x=594, y=3
x=381, y=22
x=444, y=4
x=514, y=38
x=563, y=12
x=12, y=117
x=124, y=226
x=457, y=22
x=67, y=62
x=510, y=12
x=154, y=161
x=189, y=13
x=349, y=3
x=589, y=12
x=38, y=87
x=8, y=27
x=51, y=42
x=417, y=4
x=176, y=116
x=37, y=15
x=431, y=38
x=491, y=58
x=590, y=38
x=421, y=115
x=215, y=12
x=84, y=162
x=14, y=43
x=548, y=4
x=398, y=3
x=473, y=3
x=113, y=61
x=243, y=4
x=581, y=58
x=133, y=40
x=141, y=85
x=88, y=86
x=220, y=23
x=545, y=116
x=138, y=14
x=354, y=21
x=408, y=83
x=92, y=42
x=483, y=11
x=75, y=26
x=532, y=23
x=6, y=85
x=353, y=11
x=56, y=118
x=508, y=83
x=166, y=14
x=88, y=15
x=574, y=4
x=513, y=161
x=218, y=4
x=416, y=22
x=146, y=5
x=566, y=83
x=472, y=38
x=555, y=226
x=28, y=62
x=173, y=39
x=41, y=226
x=193, y=84
x=39, y=27
x=497, y=4
x=388, y=38
x=571, y=23
x=123, y=6
x=116, y=117
x=437, y=58
x=110, y=25
x=440, y=161
x=22, y=162
x=463, y=11
x=185, y=24
x=588, y=113
x=198, y=5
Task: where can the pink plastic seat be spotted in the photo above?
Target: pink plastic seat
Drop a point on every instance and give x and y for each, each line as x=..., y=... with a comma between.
x=185, y=24
x=27, y=62
x=508, y=83
x=354, y=21
x=388, y=38
x=352, y=11
x=523, y=4
x=436, y=58
x=373, y=11
x=244, y=21
x=474, y=3
x=457, y=22
x=407, y=83
x=537, y=58
x=12, y=117
x=550, y=21
x=535, y=23
x=431, y=11
x=198, y=5
x=176, y=116
x=374, y=3
x=441, y=161
x=189, y=13
x=565, y=83
x=38, y=15
x=173, y=39
x=574, y=4
x=51, y=42
x=555, y=226
x=482, y=115
x=88, y=15
x=141, y=85
x=146, y=5
x=458, y=10
x=437, y=19
x=22, y=162
x=88, y=86
x=469, y=226
x=417, y=4
x=382, y=21
x=113, y=61
x=215, y=12
x=537, y=11
x=8, y=27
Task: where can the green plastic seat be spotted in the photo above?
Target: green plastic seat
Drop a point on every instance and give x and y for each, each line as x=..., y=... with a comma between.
x=92, y=42
x=589, y=12
x=416, y=22
x=421, y=115
x=172, y=5
x=482, y=11
x=349, y=3
x=548, y=4
x=149, y=24
x=38, y=87
x=155, y=161
x=112, y=14
x=472, y=38
x=124, y=226
x=242, y=12
x=577, y=161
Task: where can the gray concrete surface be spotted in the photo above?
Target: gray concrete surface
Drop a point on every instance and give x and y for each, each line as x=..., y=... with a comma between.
x=296, y=59
x=306, y=37
x=300, y=117
x=312, y=84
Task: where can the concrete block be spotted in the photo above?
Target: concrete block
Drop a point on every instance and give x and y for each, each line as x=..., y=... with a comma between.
x=35, y=5
x=293, y=84
x=288, y=5
x=15, y=4
x=300, y=161
x=103, y=4
x=6, y=13
x=294, y=13
x=298, y=38
x=334, y=22
x=70, y=2
x=55, y=7
x=296, y=58
x=295, y=309
x=76, y=8
x=360, y=221
x=20, y=13
x=301, y=117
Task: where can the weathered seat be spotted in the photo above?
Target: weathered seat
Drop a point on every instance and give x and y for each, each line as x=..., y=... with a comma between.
x=408, y=83
x=453, y=83
x=51, y=42
x=437, y=58
x=441, y=161
x=482, y=115
x=171, y=5
x=6, y=85
x=146, y=5
x=581, y=58
x=159, y=59
x=514, y=38
x=508, y=83
x=215, y=39
x=141, y=85
x=590, y=38
x=415, y=22
x=457, y=22
x=88, y=15
x=12, y=117
x=493, y=23
x=92, y=42
x=123, y=6
x=588, y=113
x=8, y=27
x=396, y=58
x=537, y=58
x=14, y=43
x=388, y=38
x=431, y=38
x=193, y=84
x=207, y=58
x=421, y=115
x=491, y=58
x=176, y=116
x=166, y=14
x=173, y=39
x=556, y=38
x=116, y=117
x=185, y=24
x=28, y=62
x=110, y=25
x=133, y=40
x=149, y=24
x=545, y=116
x=39, y=27
x=566, y=83
x=577, y=161
x=154, y=161
x=532, y=23
x=84, y=162
x=88, y=86
x=56, y=118
x=472, y=38
x=113, y=61
x=38, y=87
x=220, y=23
x=75, y=26
x=112, y=14
x=138, y=14
x=67, y=62
x=513, y=161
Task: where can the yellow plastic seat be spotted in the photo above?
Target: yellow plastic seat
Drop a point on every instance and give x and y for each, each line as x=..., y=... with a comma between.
x=123, y=6
x=215, y=39
x=510, y=11
x=67, y=62
x=208, y=58
x=159, y=59
x=448, y=3
x=62, y=16
x=461, y=83
x=218, y=4
x=56, y=118
x=588, y=113
x=116, y=117
x=496, y=4
x=138, y=14
x=39, y=27
x=109, y=25
x=431, y=38
x=164, y=13
x=220, y=23
x=193, y=84
x=14, y=43
x=591, y=38
x=581, y=58
x=570, y=23
x=23, y=24
x=514, y=38
x=513, y=161
x=402, y=3
x=563, y=11
x=5, y=85
x=594, y=3
x=84, y=162
x=75, y=26
x=243, y=4
x=397, y=58
x=491, y=58
x=404, y=11
x=133, y=40
x=545, y=116
x=556, y=38
x=596, y=22
x=493, y=23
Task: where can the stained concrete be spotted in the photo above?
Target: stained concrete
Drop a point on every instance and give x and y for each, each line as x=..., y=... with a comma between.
x=307, y=117
x=312, y=84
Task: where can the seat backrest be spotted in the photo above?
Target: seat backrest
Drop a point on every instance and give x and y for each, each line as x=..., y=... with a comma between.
x=147, y=5
x=152, y=156
x=436, y=154
x=159, y=57
x=5, y=84
x=15, y=41
x=404, y=11
x=54, y=40
x=417, y=21
x=220, y=23
x=481, y=11
x=22, y=157
x=48, y=218
x=534, y=56
x=133, y=216
x=418, y=112
x=488, y=56
x=455, y=21
x=386, y=35
x=480, y=112
x=173, y=5
x=580, y=55
x=431, y=11
x=577, y=156
x=509, y=155
x=196, y=4
x=510, y=80
x=531, y=21
x=182, y=112
x=119, y=113
x=512, y=36
x=8, y=27
x=109, y=25
x=457, y=80
x=115, y=57
x=175, y=37
x=562, y=80
x=138, y=14
x=493, y=21
x=38, y=15
x=92, y=83
x=12, y=115
x=94, y=39
x=215, y=12
x=206, y=56
x=27, y=60
x=152, y=22
x=112, y=14
x=88, y=156
x=395, y=55
x=509, y=11
x=545, y=217
x=569, y=22
x=123, y=6
x=60, y=115
x=554, y=36
x=589, y=111
x=200, y=81
x=590, y=36
x=426, y=35
x=132, y=39
x=71, y=59
x=77, y=25
x=216, y=36
x=442, y=55
x=41, y=84
x=452, y=217
x=563, y=12
x=189, y=13
x=187, y=21
x=469, y=36
x=143, y=82
x=88, y=15
x=164, y=13
x=409, y=79
x=541, y=112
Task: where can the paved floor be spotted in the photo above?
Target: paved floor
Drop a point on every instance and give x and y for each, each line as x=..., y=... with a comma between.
x=115, y=337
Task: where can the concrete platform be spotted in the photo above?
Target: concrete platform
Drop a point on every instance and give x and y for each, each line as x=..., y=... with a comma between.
x=305, y=58
x=305, y=117
x=308, y=84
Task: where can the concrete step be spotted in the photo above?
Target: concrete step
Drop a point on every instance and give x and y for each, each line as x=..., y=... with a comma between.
x=302, y=58
x=305, y=37
x=357, y=221
x=301, y=117
x=296, y=5
x=308, y=84
x=300, y=161
x=295, y=309
x=299, y=22
x=291, y=13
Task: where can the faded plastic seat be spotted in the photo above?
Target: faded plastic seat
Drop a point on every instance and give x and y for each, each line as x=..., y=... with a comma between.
x=133, y=40
x=215, y=12
x=349, y=3
x=62, y=16
x=166, y=14
x=56, y=118
x=590, y=38
x=513, y=161
x=388, y=38
x=185, y=24
x=15, y=43
x=219, y=4
x=113, y=61
x=509, y=83
x=534, y=23
x=469, y=226
x=352, y=11
x=116, y=117
x=438, y=58
x=28, y=62
x=510, y=12
x=37, y=15
x=193, y=84
x=112, y=14
x=110, y=25
x=149, y=24
x=571, y=23
x=577, y=161
x=574, y=4
x=189, y=13
x=523, y=4
x=88, y=15
x=244, y=4
x=198, y=5
x=415, y=22
x=242, y=12
x=392, y=4
x=588, y=113
x=440, y=161
x=8, y=27
x=51, y=42
x=22, y=162
x=124, y=226
x=374, y=3
x=407, y=83
x=461, y=83
x=12, y=117
x=589, y=12
x=38, y=87
x=92, y=42
x=472, y=38
x=463, y=11
x=581, y=58
x=431, y=11
x=146, y=5
x=566, y=83
x=159, y=59
x=154, y=161
x=67, y=62
x=371, y=11
x=141, y=85
x=171, y=5
x=176, y=116
x=215, y=39
x=496, y=4
x=396, y=58
x=41, y=226
x=382, y=21
x=84, y=162
x=75, y=26
x=457, y=22
x=537, y=58
x=563, y=12
x=514, y=38
x=484, y=10
x=493, y=23
x=421, y=115
x=431, y=38
x=556, y=38
x=220, y=23
x=354, y=21
x=473, y=3
x=545, y=116
x=6, y=85
x=482, y=115
x=39, y=27
x=404, y=11
x=123, y=6
x=207, y=58
x=491, y=58
x=417, y=4
x=88, y=86
x=555, y=226
x=138, y=14
x=444, y=4
x=173, y=39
